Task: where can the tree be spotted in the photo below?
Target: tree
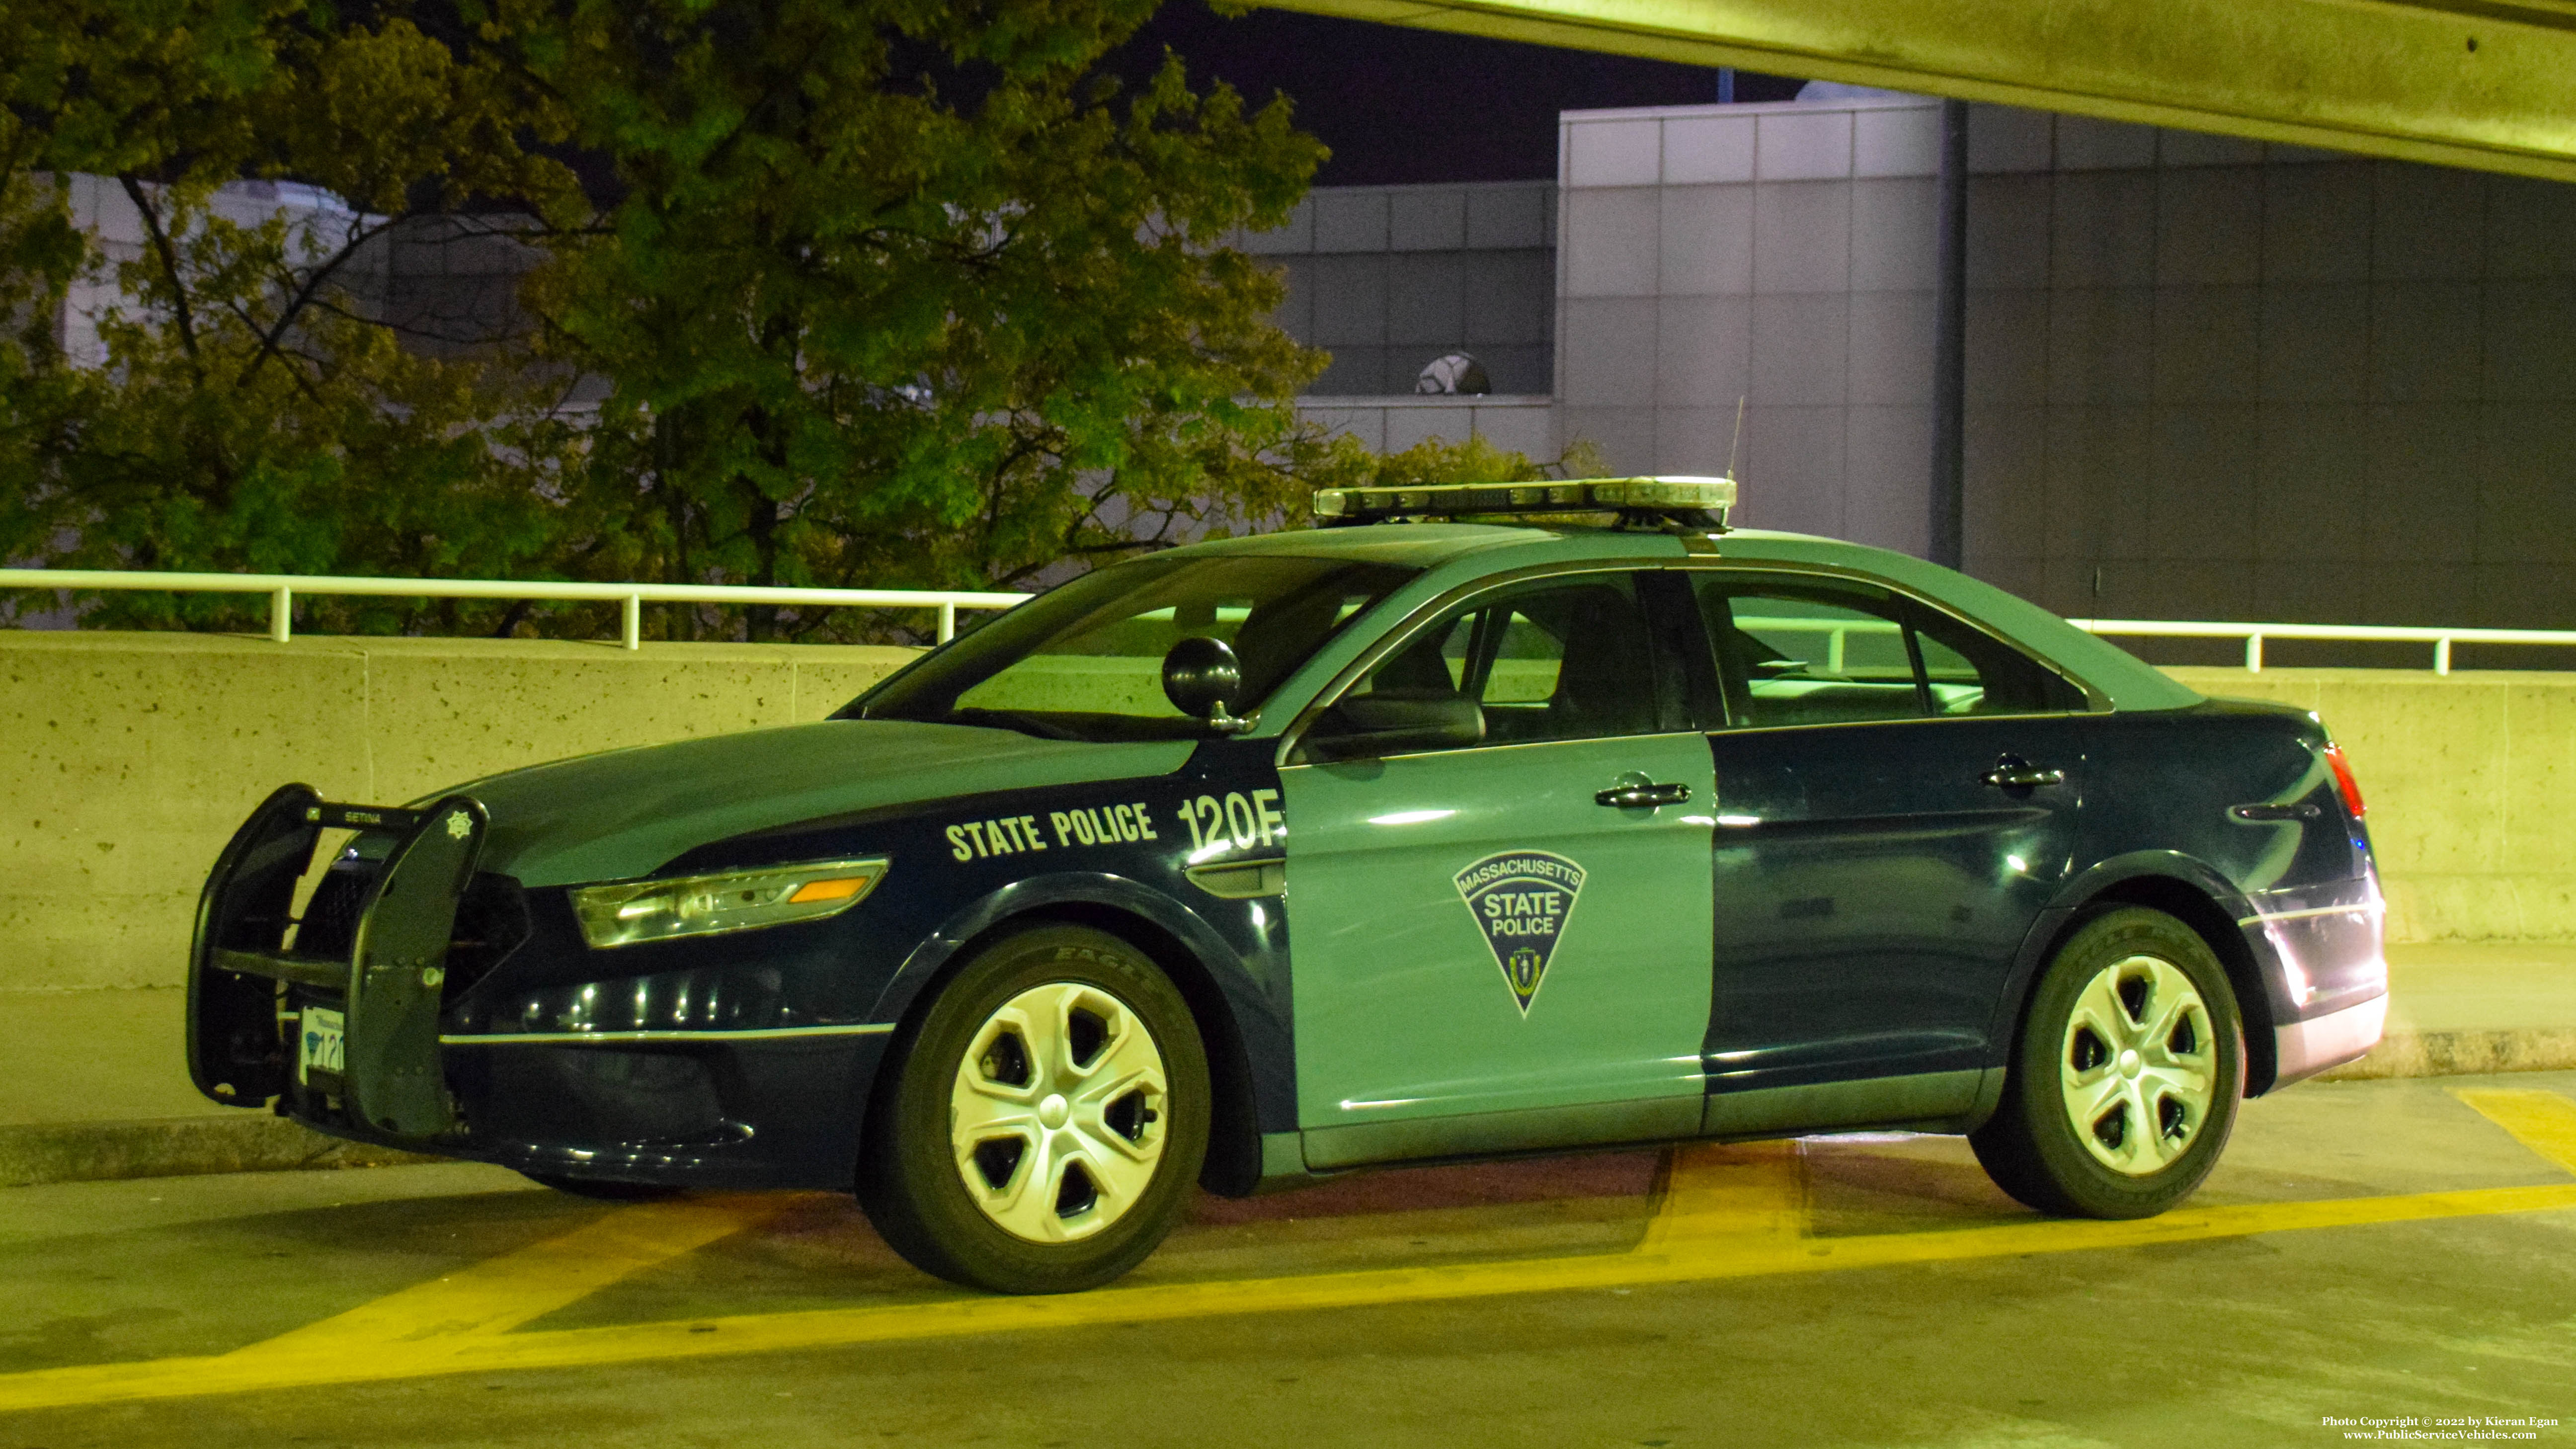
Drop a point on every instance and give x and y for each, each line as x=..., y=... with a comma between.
x=1437, y=460
x=883, y=292
x=906, y=292
x=253, y=410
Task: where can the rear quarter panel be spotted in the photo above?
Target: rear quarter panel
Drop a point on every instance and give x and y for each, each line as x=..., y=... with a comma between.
x=2163, y=805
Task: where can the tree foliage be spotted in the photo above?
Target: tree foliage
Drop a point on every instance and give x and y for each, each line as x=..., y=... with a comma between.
x=1437, y=460
x=874, y=292
x=910, y=292
x=249, y=408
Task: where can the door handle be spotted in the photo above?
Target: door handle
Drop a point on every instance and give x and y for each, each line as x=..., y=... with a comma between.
x=2014, y=774
x=1639, y=796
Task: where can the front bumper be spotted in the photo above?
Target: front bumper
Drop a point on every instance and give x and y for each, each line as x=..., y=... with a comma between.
x=735, y=1085
x=255, y=964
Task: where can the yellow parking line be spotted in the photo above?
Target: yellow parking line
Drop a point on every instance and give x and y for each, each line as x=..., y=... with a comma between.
x=1755, y=1192
x=499, y=1294
x=1725, y=1212
x=829, y=1328
x=2545, y=1122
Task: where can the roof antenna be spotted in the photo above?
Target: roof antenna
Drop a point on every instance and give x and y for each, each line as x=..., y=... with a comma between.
x=1738, y=440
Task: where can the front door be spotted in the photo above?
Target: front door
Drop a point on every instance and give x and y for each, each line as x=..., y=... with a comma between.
x=1896, y=799
x=1505, y=943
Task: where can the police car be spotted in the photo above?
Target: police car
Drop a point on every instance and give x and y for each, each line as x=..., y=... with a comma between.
x=1480, y=820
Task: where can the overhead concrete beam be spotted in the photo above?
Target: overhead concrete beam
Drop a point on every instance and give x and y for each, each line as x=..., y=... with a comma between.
x=2487, y=84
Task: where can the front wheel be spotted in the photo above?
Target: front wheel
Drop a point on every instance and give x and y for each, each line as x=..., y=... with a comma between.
x=1044, y=1121
x=2124, y=1083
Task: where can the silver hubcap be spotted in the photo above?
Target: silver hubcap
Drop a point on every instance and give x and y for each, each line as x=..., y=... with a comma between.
x=1057, y=1115
x=2139, y=1065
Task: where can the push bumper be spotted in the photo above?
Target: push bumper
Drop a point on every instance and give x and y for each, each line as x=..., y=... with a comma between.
x=254, y=965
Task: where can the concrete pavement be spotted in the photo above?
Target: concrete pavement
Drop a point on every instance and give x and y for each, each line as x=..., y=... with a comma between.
x=2383, y=1250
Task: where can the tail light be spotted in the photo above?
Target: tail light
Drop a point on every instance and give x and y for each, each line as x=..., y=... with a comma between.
x=2344, y=781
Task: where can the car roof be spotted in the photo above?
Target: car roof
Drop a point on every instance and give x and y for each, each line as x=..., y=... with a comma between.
x=2124, y=680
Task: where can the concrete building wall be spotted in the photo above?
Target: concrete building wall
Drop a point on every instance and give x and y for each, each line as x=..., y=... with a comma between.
x=2214, y=379
x=447, y=285
x=1524, y=425
x=317, y=224
x=1390, y=277
x=1774, y=256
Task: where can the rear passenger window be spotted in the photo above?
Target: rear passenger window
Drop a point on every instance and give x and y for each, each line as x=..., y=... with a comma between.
x=1829, y=652
x=1968, y=671
x=1791, y=660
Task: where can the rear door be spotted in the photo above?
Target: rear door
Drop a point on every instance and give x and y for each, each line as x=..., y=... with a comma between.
x=1491, y=949
x=1896, y=797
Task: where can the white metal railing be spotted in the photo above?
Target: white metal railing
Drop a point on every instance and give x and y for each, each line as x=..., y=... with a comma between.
x=1836, y=631
x=282, y=589
x=2255, y=634
x=2252, y=634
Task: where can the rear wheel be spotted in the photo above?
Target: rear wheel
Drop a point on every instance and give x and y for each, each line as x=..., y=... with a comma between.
x=2123, y=1086
x=1044, y=1120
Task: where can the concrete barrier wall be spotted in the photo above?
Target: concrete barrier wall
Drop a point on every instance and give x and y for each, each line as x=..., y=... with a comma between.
x=131, y=757
x=2471, y=783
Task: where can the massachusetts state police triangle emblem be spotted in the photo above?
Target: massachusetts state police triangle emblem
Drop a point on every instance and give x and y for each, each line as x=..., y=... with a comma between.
x=1521, y=900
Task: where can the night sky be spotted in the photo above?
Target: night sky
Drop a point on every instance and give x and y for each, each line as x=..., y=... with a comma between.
x=1400, y=106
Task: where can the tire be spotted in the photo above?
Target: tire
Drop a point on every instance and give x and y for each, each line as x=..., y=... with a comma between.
x=2133, y=1022
x=601, y=1190
x=1042, y=1124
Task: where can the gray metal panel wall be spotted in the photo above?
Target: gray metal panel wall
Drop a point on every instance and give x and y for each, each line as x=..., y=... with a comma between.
x=1777, y=257
x=1388, y=278
x=2214, y=379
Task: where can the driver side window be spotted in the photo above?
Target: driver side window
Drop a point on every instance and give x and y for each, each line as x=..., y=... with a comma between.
x=1553, y=659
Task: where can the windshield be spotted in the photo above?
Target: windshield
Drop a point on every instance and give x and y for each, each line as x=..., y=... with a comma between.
x=1085, y=661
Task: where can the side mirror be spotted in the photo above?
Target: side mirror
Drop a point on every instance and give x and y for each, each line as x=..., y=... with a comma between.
x=1203, y=681
x=1392, y=723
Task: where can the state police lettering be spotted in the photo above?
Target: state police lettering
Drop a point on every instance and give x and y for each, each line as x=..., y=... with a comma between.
x=1102, y=825
x=1018, y=834
x=1521, y=900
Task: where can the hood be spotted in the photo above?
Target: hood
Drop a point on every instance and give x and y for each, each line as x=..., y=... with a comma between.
x=623, y=814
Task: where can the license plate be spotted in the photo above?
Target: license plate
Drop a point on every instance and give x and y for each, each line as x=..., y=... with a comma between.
x=320, y=1030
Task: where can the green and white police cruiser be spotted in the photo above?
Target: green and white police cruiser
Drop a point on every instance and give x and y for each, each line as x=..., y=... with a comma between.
x=1481, y=819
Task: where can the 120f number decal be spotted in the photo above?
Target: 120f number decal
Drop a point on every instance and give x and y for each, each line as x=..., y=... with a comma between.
x=1237, y=821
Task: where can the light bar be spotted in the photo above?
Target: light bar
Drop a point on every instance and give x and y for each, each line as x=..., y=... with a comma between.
x=1669, y=496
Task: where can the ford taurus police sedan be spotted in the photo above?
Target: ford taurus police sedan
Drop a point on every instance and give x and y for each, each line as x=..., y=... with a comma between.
x=1481, y=820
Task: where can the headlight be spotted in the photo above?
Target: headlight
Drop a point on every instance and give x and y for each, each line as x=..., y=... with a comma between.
x=701, y=905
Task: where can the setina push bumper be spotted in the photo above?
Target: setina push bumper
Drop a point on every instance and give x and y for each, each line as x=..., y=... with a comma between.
x=330, y=1005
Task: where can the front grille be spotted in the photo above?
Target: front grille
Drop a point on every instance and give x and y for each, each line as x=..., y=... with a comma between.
x=490, y=923
x=330, y=923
